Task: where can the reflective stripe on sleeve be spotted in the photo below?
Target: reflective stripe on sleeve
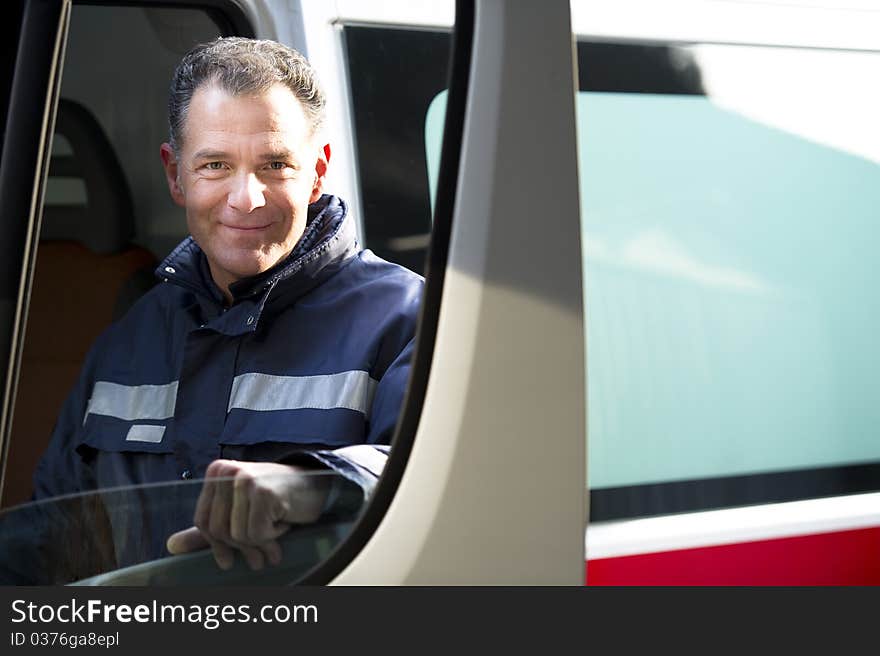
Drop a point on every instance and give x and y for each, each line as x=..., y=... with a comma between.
x=353, y=390
x=365, y=455
x=133, y=402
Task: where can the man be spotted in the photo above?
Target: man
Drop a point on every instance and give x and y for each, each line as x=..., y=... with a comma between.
x=272, y=341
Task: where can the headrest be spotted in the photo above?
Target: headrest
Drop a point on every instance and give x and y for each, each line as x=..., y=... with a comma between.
x=103, y=220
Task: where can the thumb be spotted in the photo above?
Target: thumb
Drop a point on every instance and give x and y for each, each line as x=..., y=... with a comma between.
x=190, y=539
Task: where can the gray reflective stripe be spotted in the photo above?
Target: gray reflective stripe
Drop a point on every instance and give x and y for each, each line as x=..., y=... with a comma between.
x=351, y=389
x=133, y=402
x=365, y=455
x=145, y=433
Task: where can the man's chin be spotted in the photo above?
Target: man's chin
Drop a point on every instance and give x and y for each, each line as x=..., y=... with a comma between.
x=249, y=264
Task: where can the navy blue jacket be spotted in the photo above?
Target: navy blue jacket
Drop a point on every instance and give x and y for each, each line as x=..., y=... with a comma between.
x=312, y=354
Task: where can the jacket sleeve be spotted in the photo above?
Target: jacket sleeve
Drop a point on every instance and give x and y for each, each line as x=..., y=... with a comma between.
x=358, y=467
x=388, y=399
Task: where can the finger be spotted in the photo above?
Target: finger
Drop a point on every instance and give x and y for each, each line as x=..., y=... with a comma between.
x=263, y=516
x=241, y=507
x=221, y=507
x=190, y=539
x=272, y=551
x=253, y=556
x=202, y=514
x=224, y=555
x=215, y=472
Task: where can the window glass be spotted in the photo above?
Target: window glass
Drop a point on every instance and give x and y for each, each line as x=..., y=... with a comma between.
x=727, y=204
x=434, y=119
x=728, y=272
x=389, y=120
x=727, y=231
x=99, y=538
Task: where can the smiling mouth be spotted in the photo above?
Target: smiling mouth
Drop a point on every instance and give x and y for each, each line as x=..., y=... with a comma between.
x=246, y=228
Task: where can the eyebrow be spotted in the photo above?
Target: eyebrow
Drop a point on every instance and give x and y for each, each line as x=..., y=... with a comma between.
x=275, y=155
x=283, y=155
x=210, y=154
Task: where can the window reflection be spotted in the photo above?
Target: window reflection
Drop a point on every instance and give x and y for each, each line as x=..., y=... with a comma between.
x=117, y=537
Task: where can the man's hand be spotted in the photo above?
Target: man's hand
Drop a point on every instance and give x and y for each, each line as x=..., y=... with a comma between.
x=247, y=506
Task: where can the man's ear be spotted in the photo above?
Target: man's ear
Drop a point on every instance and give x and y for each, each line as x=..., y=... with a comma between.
x=172, y=173
x=321, y=164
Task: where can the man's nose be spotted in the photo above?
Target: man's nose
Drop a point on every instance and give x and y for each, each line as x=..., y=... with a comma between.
x=248, y=193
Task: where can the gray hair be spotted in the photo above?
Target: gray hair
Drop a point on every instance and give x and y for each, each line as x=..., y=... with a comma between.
x=242, y=66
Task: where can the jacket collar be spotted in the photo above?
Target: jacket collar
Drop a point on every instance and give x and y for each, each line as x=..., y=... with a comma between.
x=328, y=241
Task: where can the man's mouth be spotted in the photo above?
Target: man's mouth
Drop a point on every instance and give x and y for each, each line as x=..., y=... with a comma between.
x=246, y=228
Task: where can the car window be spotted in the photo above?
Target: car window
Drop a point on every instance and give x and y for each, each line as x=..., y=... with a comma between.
x=727, y=206
x=99, y=538
x=727, y=195
x=389, y=117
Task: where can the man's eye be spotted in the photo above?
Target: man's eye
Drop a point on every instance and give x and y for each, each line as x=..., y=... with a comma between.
x=277, y=166
x=214, y=166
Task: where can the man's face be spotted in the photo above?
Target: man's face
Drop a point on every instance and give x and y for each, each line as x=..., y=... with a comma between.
x=247, y=171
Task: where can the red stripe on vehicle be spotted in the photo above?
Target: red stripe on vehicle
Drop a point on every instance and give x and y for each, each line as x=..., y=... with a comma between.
x=839, y=558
